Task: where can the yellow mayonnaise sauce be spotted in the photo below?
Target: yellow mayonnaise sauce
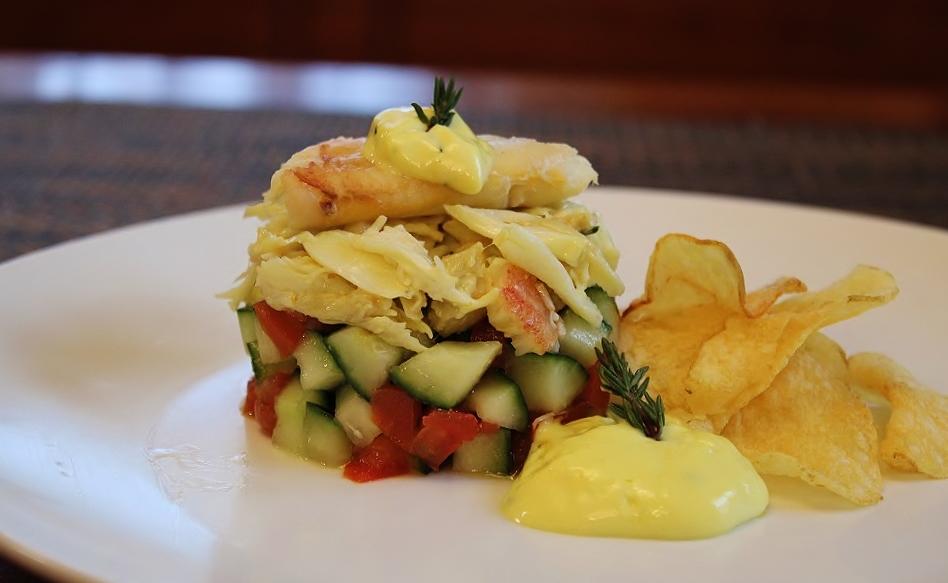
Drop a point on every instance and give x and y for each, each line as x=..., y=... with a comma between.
x=600, y=477
x=450, y=155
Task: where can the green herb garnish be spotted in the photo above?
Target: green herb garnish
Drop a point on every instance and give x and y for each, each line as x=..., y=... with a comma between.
x=445, y=99
x=637, y=407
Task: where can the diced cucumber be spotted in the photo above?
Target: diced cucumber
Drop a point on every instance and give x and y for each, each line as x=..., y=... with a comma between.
x=247, y=320
x=581, y=339
x=488, y=453
x=325, y=400
x=364, y=358
x=290, y=407
x=355, y=415
x=318, y=369
x=326, y=441
x=549, y=382
x=259, y=369
x=269, y=353
x=262, y=370
x=444, y=374
x=497, y=399
x=607, y=307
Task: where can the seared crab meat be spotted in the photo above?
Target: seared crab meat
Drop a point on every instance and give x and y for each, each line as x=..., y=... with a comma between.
x=523, y=310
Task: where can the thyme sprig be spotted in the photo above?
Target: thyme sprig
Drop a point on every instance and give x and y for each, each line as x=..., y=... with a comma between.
x=444, y=101
x=637, y=407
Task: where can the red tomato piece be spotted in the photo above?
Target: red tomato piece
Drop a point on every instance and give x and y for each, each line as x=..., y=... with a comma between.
x=397, y=414
x=380, y=459
x=578, y=410
x=591, y=402
x=593, y=392
x=487, y=427
x=301, y=318
x=251, y=399
x=285, y=329
x=442, y=432
x=266, y=393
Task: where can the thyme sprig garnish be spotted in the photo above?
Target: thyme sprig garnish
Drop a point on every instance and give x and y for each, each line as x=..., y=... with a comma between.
x=637, y=407
x=445, y=99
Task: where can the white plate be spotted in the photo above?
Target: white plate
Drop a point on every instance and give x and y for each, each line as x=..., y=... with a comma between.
x=123, y=456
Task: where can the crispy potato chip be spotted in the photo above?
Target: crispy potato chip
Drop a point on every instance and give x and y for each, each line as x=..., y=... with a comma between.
x=711, y=346
x=669, y=346
x=916, y=437
x=810, y=424
x=864, y=288
x=693, y=287
x=693, y=422
x=759, y=371
x=684, y=272
x=738, y=364
x=758, y=302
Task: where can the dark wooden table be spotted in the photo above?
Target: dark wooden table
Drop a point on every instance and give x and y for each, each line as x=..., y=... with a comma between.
x=89, y=143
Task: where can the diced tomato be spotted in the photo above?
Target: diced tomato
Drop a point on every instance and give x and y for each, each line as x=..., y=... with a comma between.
x=487, y=427
x=251, y=399
x=301, y=318
x=380, y=459
x=593, y=392
x=591, y=402
x=442, y=432
x=397, y=414
x=578, y=410
x=266, y=392
x=285, y=329
x=268, y=389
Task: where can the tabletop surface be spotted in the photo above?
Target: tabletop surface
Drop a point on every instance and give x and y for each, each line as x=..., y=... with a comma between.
x=71, y=168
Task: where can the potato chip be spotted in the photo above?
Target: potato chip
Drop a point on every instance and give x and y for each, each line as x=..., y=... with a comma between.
x=693, y=287
x=864, y=288
x=739, y=363
x=758, y=302
x=810, y=424
x=711, y=346
x=684, y=272
x=669, y=346
x=916, y=436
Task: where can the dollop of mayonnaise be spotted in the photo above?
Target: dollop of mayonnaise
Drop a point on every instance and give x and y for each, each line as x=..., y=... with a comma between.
x=451, y=155
x=600, y=477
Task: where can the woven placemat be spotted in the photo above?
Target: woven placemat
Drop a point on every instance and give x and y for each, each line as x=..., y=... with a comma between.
x=71, y=169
